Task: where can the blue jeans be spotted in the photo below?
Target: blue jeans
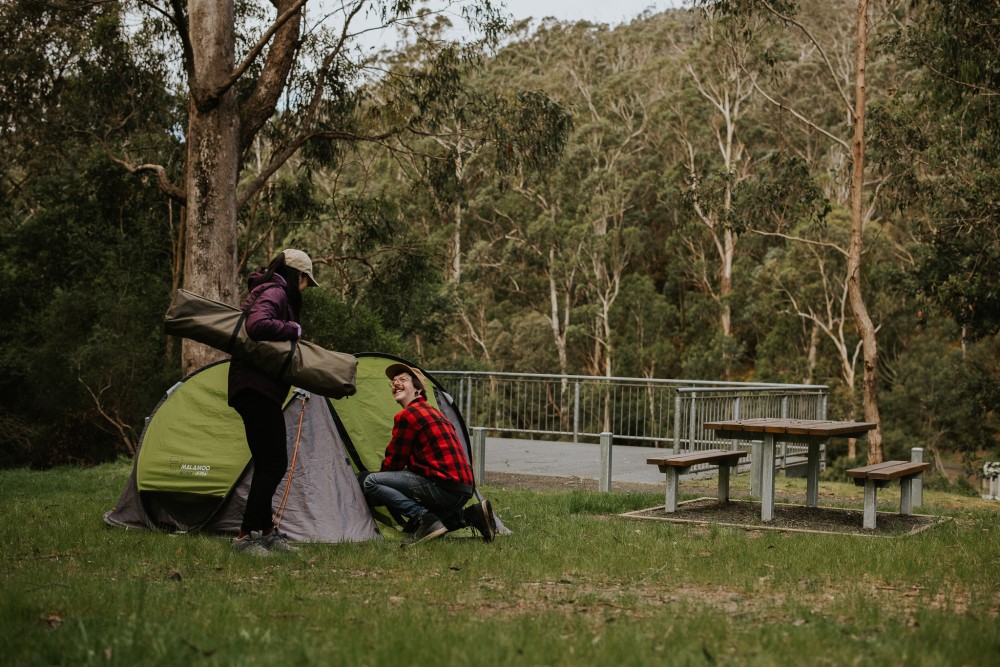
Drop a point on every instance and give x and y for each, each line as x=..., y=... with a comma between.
x=407, y=493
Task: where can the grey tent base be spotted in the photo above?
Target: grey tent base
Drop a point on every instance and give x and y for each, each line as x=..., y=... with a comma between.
x=324, y=502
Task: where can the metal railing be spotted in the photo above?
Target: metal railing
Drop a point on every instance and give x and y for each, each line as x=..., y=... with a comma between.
x=638, y=411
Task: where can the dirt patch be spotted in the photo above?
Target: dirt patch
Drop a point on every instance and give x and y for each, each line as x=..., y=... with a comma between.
x=790, y=517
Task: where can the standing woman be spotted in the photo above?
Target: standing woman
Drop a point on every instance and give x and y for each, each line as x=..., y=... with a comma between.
x=273, y=308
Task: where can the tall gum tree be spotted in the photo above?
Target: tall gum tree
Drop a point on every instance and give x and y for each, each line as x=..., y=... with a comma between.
x=861, y=206
x=222, y=123
x=718, y=79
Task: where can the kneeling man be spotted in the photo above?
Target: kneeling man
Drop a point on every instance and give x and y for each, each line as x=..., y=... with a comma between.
x=425, y=475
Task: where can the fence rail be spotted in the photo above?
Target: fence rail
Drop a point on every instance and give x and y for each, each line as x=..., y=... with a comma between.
x=637, y=411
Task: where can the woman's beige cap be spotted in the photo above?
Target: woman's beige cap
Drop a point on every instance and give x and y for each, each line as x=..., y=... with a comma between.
x=300, y=261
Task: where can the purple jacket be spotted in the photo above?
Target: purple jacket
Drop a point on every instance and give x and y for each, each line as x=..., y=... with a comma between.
x=270, y=317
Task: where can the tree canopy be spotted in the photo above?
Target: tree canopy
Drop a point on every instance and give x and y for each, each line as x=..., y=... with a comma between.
x=668, y=198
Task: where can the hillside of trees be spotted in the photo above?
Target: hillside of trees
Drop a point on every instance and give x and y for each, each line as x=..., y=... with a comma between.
x=671, y=198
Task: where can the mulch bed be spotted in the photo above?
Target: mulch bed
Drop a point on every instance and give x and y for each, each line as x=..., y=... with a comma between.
x=792, y=517
x=788, y=517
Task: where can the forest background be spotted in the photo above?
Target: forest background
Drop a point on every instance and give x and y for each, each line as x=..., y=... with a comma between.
x=667, y=198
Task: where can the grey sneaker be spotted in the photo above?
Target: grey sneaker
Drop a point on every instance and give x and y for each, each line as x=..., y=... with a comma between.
x=429, y=527
x=480, y=517
x=278, y=541
x=251, y=546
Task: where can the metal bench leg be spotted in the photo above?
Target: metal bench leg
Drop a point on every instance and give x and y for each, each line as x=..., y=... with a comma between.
x=871, y=490
x=670, y=501
x=906, y=495
x=755, y=448
x=723, y=484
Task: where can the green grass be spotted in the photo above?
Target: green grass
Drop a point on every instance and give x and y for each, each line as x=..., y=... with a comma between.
x=575, y=584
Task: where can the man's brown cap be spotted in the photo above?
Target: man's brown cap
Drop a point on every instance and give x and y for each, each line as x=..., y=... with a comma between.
x=395, y=369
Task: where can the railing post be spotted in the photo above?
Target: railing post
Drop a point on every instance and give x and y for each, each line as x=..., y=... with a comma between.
x=691, y=421
x=468, y=399
x=678, y=411
x=479, y=454
x=917, y=485
x=784, y=445
x=605, y=476
x=576, y=411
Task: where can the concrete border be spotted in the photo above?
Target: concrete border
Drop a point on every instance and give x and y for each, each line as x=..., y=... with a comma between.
x=638, y=514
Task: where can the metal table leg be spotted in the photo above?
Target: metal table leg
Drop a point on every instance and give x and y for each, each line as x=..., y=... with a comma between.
x=767, y=478
x=812, y=474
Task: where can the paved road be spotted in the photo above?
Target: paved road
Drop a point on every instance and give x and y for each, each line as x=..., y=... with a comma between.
x=569, y=459
x=578, y=459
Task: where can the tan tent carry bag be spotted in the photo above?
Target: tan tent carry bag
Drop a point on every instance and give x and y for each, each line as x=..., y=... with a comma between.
x=300, y=363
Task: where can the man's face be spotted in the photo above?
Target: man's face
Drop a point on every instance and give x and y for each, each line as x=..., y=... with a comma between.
x=403, y=390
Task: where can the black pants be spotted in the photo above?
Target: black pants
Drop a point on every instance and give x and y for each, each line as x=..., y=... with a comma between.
x=265, y=427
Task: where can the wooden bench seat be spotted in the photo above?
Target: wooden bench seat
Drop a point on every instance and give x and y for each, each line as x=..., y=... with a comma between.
x=677, y=464
x=878, y=475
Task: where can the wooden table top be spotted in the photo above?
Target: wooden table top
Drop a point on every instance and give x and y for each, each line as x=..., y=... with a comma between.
x=811, y=427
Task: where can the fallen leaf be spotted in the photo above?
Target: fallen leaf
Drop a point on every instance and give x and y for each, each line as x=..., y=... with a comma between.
x=52, y=620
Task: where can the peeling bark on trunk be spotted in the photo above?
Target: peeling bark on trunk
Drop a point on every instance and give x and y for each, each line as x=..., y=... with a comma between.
x=218, y=132
x=212, y=168
x=812, y=354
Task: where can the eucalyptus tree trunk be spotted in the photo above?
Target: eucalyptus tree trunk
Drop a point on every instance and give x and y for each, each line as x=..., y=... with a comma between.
x=866, y=329
x=727, y=89
x=456, y=260
x=856, y=147
x=559, y=324
x=726, y=280
x=213, y=156
x=219, y=130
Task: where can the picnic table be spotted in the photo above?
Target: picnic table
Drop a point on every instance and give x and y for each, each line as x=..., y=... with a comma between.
x=768, y=430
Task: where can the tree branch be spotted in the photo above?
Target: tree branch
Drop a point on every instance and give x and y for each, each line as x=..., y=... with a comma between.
x=177, y=18
x=162, y=180
x=281, y=158
x=279, y=22
x=985, y=92
x=284, y=35
x=123, y=429
x=826, y=60
x=309, y=118
x=800, y=117
x=799, y=239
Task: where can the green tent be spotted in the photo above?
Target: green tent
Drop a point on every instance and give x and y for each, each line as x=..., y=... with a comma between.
x=192, y=469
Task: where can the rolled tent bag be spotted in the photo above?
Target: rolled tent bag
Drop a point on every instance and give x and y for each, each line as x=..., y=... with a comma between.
x=300, y=363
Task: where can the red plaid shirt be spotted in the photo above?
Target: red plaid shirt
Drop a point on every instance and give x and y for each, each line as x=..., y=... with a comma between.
x=425, y=442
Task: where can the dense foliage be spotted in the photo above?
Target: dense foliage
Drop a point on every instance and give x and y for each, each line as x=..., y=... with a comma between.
x=588, y=200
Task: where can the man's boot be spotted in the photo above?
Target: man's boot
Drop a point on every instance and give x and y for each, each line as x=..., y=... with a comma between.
x=479, y=515
x=429, y=527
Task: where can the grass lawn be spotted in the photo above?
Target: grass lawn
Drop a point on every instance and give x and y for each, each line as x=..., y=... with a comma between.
x=575, y=584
